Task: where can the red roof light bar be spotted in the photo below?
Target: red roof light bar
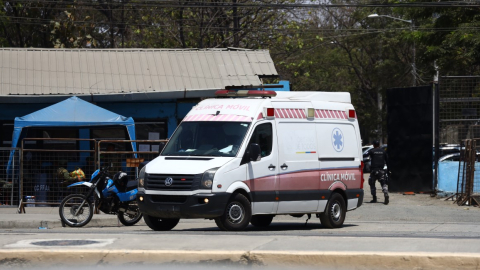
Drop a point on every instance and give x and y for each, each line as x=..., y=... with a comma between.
x=226, y=93
x=245, y=93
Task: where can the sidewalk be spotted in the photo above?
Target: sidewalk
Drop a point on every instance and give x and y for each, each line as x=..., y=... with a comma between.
x=46, y=217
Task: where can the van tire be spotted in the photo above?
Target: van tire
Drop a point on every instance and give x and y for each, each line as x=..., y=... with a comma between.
x=160, y=224
x=261, y=220
x=334, y=214
x=237, y=214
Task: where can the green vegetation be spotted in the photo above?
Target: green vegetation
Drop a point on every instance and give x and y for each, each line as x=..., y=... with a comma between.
x=317, y=49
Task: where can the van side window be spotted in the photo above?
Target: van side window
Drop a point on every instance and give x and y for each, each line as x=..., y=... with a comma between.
x=264, y=138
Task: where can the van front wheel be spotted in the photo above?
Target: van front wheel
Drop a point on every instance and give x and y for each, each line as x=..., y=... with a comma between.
x=237, y=214
x=334, y=214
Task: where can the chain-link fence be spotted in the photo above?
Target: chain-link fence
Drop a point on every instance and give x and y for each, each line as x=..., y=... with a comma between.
x=9, y=176
x=459, y=108
x=127, y=161
x=47, y=166
x=468, y=184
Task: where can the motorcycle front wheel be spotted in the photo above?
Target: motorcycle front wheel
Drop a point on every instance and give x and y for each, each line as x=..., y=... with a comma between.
x=129, y=219
x=76, y=210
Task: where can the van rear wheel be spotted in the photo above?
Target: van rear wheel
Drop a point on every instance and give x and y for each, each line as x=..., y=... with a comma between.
x=160, y=224
x=237, y=214
x=334, y=214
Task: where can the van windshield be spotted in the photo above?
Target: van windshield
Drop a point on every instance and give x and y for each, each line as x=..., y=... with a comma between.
x=206, y=139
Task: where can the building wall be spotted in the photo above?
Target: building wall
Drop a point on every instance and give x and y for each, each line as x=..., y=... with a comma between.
x=169, y=111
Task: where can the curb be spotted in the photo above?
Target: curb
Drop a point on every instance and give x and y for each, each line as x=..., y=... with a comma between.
x=50, y=224
x=285, y=259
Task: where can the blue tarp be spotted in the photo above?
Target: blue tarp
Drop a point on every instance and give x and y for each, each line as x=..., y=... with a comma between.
x=71, y=112
x=448, y=176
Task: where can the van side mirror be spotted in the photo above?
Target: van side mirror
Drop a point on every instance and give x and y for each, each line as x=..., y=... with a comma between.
x=254, y=152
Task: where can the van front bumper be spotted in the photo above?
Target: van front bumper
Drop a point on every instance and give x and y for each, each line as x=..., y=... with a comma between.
x=188, y=206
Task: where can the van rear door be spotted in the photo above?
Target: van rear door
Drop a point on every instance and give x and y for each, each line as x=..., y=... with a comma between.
x=339, y=154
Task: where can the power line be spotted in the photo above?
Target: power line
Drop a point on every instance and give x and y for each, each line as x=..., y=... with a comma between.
x=44, y=22
x=260, y=4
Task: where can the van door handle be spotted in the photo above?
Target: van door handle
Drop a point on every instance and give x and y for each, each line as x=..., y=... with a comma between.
x=271, y=167
x=284, y=166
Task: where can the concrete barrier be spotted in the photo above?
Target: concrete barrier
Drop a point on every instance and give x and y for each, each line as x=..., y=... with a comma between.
x=283, y=259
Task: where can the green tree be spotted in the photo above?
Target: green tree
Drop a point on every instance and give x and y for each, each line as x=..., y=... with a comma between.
x=341, y=50
x=449, y=37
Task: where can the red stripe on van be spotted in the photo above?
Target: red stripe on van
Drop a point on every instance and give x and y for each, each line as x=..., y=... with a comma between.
x=302, y=112
x=277, y=113
x=223, y=117
x=310, y=180
x=296, y=113
x=289, y=113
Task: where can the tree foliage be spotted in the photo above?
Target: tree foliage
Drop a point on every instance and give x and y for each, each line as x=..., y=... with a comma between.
x=329, y=49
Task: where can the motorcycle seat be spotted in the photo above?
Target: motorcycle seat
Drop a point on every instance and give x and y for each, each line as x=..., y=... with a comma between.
x=131, y=185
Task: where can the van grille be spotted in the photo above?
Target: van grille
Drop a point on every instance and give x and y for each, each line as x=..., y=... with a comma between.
x=169, y=199
x=180, y=181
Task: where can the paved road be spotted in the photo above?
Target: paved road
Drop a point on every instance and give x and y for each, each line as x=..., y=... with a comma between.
x=412, y=231
x=288, y=242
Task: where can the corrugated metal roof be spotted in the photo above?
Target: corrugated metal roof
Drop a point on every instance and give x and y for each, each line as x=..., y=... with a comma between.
x=123, y=71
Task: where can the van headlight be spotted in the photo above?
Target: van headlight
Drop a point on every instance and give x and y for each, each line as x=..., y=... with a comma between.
x=207, y=179
x=141, y=177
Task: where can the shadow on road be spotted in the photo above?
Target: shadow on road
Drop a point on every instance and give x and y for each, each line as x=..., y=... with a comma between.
x=274, y=227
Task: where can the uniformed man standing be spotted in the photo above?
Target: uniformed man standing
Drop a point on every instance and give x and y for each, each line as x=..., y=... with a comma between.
x=378, y=159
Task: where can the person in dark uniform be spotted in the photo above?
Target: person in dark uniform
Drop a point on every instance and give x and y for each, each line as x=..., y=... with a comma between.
x=378, y=159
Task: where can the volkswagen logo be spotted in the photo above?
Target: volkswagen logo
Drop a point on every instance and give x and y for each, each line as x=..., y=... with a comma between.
x=168, y=181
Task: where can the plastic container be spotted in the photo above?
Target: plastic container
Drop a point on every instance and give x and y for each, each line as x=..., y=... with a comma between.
x=30, y=199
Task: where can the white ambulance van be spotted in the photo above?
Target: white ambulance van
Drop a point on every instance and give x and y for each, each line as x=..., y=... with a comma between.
x=246, y=156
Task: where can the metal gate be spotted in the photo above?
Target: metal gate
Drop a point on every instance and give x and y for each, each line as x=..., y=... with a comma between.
x=9, y=176
x=457, y=115
x=468, y=184
x=410, y=138
x=458, y=109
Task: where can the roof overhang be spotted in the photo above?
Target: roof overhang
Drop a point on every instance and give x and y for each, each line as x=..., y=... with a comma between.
x=51, y=75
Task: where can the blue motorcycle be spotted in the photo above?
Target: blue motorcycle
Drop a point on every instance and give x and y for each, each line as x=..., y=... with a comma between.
x=115, y=196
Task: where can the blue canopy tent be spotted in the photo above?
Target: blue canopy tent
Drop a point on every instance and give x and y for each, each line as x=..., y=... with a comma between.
x=72, y=112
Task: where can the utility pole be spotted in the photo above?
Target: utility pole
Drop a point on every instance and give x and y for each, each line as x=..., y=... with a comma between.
x=236, y=26
x=414, y=67
x=123, y=24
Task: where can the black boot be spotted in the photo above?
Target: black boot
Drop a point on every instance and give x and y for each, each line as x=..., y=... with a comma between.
x=374, y=199
x=386, y=199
